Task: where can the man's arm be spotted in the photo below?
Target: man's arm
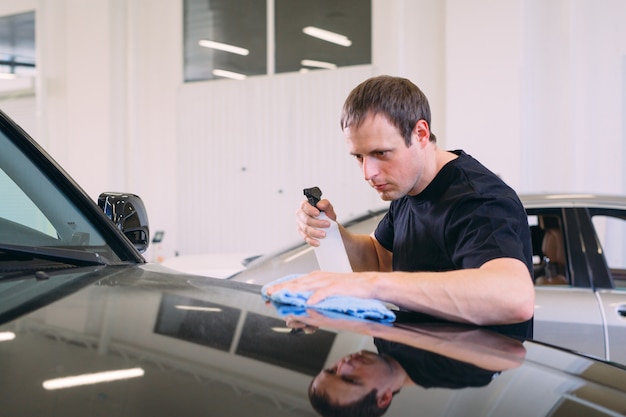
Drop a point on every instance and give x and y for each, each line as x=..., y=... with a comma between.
x=364, y=251
x=499, y=292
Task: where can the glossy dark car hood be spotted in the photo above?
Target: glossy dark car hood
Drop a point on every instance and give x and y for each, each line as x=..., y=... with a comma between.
x=215, y=348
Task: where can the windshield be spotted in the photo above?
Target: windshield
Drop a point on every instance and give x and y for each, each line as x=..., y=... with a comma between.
x=36, y=215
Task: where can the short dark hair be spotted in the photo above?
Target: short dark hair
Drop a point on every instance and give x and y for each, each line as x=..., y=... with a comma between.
x=398, y=99
x=366, y=406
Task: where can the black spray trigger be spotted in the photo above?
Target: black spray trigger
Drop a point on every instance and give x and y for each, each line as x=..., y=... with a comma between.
x=314, y=195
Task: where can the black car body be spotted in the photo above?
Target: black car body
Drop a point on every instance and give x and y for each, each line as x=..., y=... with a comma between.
x=88, y=328
x=199, y=346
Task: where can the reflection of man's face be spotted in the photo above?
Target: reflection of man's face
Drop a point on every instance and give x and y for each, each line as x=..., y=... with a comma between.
x=355, y=376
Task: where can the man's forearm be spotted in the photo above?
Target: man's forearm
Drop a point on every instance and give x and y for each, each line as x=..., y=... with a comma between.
x=362, y=252
x=500, y=292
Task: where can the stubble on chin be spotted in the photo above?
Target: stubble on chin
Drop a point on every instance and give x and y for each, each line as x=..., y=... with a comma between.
x=387, y=195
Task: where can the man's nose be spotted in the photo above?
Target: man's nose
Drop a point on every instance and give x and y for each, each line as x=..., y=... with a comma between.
x=344, y=367
x=370, y=168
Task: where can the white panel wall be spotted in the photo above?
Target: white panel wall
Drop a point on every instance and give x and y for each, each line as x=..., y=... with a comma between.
x=246, y=151
x=409, y=41
x=534, y=89
x=154, y=79
x=483, y=74
x=77, y=58
x=573, y=106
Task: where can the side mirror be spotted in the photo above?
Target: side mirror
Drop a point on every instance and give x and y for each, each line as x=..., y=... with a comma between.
x=129, y=214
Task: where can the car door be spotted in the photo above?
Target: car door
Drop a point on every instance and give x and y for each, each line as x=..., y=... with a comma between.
x=566, y=315
x=610, y=229
x=569, y=317
x=614, y=309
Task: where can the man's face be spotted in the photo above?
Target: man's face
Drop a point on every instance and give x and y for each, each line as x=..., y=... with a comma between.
x=354, y=376
x=389, y=166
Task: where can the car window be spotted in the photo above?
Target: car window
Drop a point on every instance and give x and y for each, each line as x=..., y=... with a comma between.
x=611, y=232
x=549, y=255
x=17, y=208
x=35, y=212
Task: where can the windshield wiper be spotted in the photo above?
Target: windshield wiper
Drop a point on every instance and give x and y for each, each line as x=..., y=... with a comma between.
x=64, y=255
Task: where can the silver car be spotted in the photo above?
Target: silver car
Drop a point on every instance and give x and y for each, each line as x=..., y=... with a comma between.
x=579, y=261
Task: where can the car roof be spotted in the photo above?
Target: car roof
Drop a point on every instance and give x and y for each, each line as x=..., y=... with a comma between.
x=573, y=200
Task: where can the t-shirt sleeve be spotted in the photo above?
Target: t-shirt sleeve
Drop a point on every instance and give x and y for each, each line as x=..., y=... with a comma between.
x=483, y=229
x=384, y=231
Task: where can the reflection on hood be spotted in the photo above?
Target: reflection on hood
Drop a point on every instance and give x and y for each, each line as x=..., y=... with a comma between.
x=432, y=370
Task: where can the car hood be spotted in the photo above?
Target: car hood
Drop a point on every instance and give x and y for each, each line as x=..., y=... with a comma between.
x=202, y=346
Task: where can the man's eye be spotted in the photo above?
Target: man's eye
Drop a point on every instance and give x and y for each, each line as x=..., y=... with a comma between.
x=350, y=380
x=358, y=158
x=345, y=378
x=381, y=154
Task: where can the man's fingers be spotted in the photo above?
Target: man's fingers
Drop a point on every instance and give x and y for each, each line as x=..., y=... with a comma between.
x=317, y=296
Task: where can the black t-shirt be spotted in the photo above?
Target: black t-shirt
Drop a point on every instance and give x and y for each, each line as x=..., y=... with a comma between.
x=465, y=217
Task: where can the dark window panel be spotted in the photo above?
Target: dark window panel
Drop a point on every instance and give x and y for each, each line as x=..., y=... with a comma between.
x=243, y=23
x=351, y=18
x=235, y=22
x=17, y=43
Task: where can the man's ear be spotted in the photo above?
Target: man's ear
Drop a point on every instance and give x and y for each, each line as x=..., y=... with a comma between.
x=384, y=399
x=422, y=131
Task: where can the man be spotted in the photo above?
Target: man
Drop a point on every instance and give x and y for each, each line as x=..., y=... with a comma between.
x=455, y=242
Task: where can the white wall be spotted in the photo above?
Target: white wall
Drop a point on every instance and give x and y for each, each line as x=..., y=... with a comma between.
x=247, y=150
x=534, y=89
x=483, y=75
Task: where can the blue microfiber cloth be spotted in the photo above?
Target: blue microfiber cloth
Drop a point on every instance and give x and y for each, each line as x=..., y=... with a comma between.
x=288, y=302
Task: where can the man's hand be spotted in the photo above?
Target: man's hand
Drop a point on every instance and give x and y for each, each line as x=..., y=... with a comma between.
x=308, y=223
x=326, y=284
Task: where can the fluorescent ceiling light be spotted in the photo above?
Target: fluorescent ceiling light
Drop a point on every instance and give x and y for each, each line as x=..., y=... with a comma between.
x=228, y=74
x=317, y=64
x=95, y=378
x=327, y=36
x=5, y=336
x=224, y=47
x=197, y=308
x=281, y=329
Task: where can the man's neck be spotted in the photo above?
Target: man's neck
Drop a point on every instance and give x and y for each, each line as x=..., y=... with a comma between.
x=443, y=157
